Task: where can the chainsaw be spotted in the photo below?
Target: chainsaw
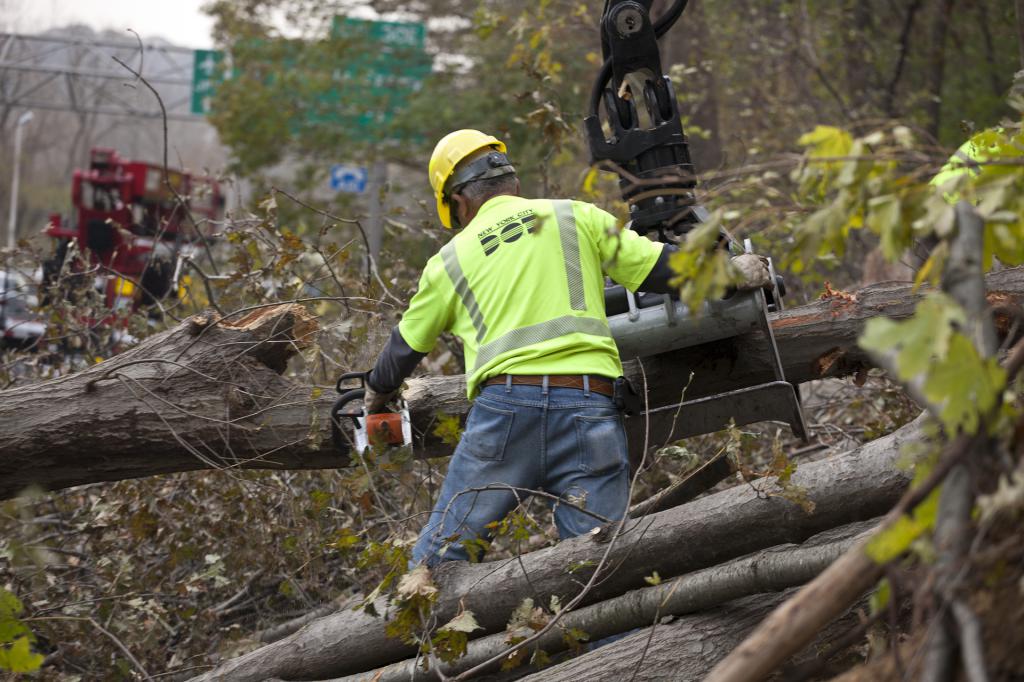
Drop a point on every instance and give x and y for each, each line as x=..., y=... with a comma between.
x=390, y=429
x=646, y=147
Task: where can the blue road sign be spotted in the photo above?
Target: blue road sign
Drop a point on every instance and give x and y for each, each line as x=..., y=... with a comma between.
x=349, y=179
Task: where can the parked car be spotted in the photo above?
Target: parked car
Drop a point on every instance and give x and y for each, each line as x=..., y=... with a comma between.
x=21, y=325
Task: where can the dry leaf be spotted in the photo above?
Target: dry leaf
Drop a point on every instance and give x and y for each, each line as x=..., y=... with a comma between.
x=417, y=582
x=464, y=622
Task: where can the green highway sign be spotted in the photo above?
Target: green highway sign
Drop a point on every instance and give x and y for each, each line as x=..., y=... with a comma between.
x=368, y=73
x=206, y=73
x=390, y=65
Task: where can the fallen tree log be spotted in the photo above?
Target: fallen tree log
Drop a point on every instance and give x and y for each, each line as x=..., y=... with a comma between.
x=855, y=486
x=686, y=648
x=210, y=392
x=771, y=570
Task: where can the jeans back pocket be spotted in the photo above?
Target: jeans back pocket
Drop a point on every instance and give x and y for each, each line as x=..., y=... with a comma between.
x=487, y=432
x=602, y=443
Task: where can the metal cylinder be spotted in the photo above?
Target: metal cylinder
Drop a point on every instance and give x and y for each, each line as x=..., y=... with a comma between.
x=657, y=330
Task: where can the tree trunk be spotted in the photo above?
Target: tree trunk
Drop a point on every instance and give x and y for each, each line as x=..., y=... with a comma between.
x=906, y=33
x=858, y=19
x=962, y=280
x=789, y=628
x=1019, y=6
x=771, y=570
x=684, y=649
x=205, y=394
x=937, y=65
x=210, y=393
x=858, y=485
x=679, y=649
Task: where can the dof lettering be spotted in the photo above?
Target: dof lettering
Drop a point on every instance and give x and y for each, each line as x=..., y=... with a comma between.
x=508, y=234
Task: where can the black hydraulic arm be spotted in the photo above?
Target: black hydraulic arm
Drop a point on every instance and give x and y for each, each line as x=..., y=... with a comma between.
x=639, y=135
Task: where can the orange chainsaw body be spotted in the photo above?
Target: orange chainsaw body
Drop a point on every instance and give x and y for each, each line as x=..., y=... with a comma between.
x=384, y=428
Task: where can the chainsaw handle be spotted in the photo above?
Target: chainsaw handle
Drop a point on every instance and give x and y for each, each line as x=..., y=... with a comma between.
x=361, y=376
x=336, y=411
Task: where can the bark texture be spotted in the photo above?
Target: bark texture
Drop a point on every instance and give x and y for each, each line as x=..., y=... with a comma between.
x=962, y=280
x=771, y=570
x=208, y=393
x=684, y=649
x=211, y=393
x=937, y=65
x=789, y=628
x=1019, y=8
x=856, y=486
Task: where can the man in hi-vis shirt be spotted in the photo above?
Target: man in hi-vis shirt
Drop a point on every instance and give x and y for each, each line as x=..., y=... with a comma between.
x=522, y=284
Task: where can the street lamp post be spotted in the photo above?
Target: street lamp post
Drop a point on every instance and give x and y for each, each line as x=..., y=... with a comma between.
x=13, y=219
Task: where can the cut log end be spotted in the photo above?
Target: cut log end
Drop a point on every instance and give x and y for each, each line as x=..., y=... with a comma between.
x=282, y=330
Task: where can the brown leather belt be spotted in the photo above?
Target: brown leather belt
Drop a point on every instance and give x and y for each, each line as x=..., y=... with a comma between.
x=598, y=384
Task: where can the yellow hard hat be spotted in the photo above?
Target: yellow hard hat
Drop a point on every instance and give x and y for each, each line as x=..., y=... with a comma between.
x=452, y=149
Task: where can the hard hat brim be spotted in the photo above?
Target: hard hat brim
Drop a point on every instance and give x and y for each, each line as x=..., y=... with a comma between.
x=444, y=212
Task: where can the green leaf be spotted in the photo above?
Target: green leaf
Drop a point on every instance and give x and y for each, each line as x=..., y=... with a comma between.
x=516, y=658
x=881, y=596
x=826, y=141
x=448, y=429
x=897, y=539
x=526, y=616
x=15, y=637
x=932, y=267
x=10, y=608
x=449, y=645
x=703, y=269
x=823, y=142
x=885, y=218
x=824, y=233
x=919, y=340
x=574, y=638
x=965, y=384
x=18, y=657
x=475, y=548
x=540, y=658
x=345, y=540
x=653, y=579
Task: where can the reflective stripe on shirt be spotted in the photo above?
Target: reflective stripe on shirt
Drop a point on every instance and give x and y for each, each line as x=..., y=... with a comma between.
x=537, y=333
x=454, y=270
x=571, y=253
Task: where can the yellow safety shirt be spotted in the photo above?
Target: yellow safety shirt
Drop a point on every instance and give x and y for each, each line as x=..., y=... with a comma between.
x=522, y=285
x=972, y=156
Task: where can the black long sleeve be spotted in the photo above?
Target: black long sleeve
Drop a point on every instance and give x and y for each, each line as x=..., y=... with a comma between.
x=396, y=361
x=657, y=280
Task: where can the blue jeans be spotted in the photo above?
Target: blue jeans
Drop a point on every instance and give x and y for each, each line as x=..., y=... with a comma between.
x=566, y=441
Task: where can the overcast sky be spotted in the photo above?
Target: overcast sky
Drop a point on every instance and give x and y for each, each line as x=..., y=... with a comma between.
x=179, y=21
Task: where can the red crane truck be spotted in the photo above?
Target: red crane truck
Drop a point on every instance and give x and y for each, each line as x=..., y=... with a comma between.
x=131, y=227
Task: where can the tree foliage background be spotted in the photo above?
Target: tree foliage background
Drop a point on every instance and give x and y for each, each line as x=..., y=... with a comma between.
x=809, y=120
